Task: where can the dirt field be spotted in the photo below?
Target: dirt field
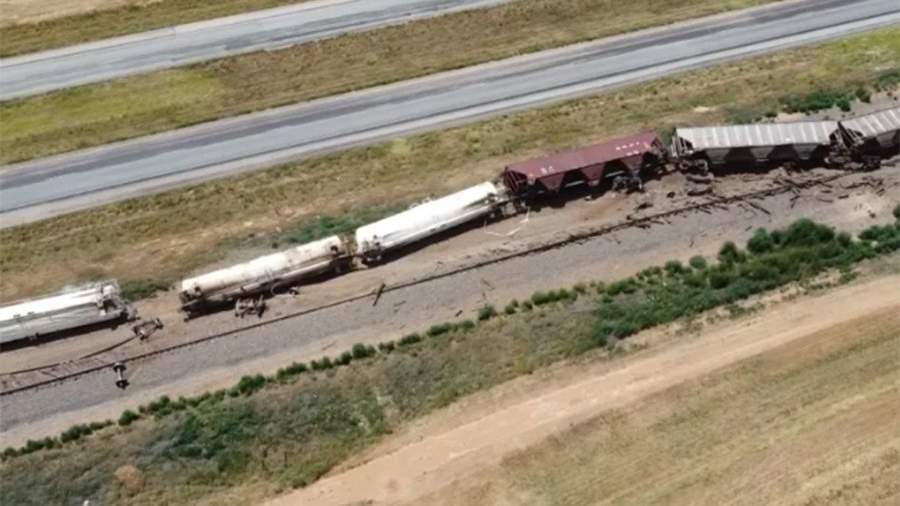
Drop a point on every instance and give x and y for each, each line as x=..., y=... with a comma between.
x=795, y=405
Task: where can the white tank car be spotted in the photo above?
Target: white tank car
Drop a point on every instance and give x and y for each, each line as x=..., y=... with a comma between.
x=262, y=273
x=67, y=310
x=425, y=220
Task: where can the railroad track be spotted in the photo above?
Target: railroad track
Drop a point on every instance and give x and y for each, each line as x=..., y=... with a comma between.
x=94, y=362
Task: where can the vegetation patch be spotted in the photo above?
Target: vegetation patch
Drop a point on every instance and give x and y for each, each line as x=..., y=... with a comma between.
x=137, y=289
x=800, y=252
x=288, y=429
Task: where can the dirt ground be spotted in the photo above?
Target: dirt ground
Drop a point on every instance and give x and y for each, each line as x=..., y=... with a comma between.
x=32, y=11
x=794, y=405
x=221, y=362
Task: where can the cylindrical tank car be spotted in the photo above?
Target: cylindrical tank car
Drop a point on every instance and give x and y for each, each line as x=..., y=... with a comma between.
x=71, y=309
x=265, y=273
x=426, y=220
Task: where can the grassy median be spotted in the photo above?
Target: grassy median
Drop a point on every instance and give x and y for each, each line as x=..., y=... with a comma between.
x=97, y=114
x=166, y=235
x=100, y=20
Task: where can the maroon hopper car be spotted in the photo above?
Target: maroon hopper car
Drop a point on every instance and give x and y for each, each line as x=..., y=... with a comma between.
x=627, y=156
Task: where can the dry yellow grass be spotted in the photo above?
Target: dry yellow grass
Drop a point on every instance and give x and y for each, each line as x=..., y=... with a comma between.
x=166, y=235
x=813, y=422
x=27, y=26
x=101, y=113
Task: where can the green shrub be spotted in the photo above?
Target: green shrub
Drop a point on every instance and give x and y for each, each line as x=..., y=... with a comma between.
x=729, y=253
x=386, y=347
x=344, y=359
x=626, y=286
x=674, y=268
x=510, y=309
x=410, y=339
x=897, y=212
x=806, y=233
x=467, y=325
x=720, y=278
x=249, y=384
x=437, y=330
x=698, y=262
x=292, y=370
x=138, y=289
x=761, y=242
x=75, y=432
x=527, y=306
x=159, y=405
x=695, y=279
x=580, y=288
x=486, y=312
x=127, y=417
x=888, y=80
x=361, y=351
x=817, y=101
x=541, y=298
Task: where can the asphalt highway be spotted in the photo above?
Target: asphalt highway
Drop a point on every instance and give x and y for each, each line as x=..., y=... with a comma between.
x=43, y=188
x=269, y=29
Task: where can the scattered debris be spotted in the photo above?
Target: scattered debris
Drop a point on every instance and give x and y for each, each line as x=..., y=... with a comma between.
x=758, y=207
x=119, y=369
x=145, y=329
x=378, y=293
x=250, y=305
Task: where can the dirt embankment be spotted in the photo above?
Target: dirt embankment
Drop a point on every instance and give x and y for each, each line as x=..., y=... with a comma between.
x=796, y=403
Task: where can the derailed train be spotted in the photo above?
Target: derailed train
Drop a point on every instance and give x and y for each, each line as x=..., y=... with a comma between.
x=625, y=163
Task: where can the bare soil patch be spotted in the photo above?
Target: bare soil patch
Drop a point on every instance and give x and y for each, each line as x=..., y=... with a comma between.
x=796, y=404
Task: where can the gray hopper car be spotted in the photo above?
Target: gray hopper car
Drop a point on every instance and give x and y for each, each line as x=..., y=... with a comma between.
x=750, y=145
x=874, y=135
